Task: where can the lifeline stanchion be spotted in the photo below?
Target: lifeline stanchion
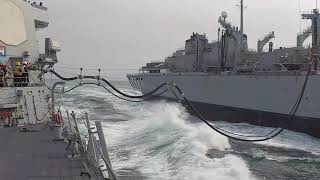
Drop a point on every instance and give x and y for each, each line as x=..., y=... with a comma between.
x=105, y=154
x=90, y=148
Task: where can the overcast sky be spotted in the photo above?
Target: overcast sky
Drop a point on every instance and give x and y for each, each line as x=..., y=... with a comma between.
x=125, y=34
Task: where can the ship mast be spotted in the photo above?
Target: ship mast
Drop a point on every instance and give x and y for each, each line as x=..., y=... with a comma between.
x=241, y=20
x=241, y=27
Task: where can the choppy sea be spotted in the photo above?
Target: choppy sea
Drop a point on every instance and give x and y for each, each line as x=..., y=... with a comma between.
x=161, y=140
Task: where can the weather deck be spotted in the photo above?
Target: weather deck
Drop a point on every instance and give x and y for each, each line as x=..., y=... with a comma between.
x=34, y=155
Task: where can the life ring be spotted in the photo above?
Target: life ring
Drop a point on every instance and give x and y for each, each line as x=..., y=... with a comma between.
x=58, y=118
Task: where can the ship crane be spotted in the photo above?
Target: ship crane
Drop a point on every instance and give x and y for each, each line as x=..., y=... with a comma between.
x=303, y=36
x=264, y=41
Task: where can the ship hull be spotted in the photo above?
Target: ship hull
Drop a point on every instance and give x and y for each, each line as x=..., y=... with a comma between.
x=213, y=112
x=259, y=100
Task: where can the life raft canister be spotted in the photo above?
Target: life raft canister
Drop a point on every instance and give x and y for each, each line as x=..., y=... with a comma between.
x=58, y=118
x=6, y=115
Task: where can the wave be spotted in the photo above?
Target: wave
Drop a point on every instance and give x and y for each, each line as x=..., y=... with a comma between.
x=157, y=140
x=287, y=139
x=162, y=144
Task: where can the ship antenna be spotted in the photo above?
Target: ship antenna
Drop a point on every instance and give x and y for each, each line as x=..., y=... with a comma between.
x=300, y=19
x=241, y=25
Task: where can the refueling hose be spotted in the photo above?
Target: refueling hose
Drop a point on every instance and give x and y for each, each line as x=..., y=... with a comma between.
x=224, y=132
x=108, y=83
x=191, y=108
x=104, y=87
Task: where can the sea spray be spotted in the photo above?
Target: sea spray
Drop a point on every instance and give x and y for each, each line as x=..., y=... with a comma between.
x=166, y=146
x=156, y=140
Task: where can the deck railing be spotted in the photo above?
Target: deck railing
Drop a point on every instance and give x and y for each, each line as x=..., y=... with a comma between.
x=89, y=142
x=9, y=80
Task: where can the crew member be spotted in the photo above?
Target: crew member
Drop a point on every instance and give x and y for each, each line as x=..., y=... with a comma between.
x=25, y=74
x=2, y=75
x=17, y=76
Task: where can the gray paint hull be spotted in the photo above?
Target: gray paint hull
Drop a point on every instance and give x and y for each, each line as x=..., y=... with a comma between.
x=261, y=100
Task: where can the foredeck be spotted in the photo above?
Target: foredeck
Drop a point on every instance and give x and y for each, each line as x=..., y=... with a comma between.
x=34, y=155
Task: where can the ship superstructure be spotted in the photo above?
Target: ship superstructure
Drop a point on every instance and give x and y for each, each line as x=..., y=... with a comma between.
x=35, y=141
x=228, y=81
x=24, y=98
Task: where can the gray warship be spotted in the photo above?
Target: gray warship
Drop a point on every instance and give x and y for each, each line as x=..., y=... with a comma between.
x=39, y=143
x=227, y=81
x=35, y=141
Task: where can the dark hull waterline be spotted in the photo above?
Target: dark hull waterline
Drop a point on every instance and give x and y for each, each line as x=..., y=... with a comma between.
x=213, y=112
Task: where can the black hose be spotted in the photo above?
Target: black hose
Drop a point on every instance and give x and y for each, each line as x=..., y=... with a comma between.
x=147, y=99
x=264, y=138
x=109, y=84
x=63, y=78
x=196, y=112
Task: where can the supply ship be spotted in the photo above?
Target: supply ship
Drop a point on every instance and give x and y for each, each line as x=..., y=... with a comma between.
x=227, y=81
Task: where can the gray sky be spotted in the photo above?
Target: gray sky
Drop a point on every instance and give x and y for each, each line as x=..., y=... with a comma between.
x=121, y=34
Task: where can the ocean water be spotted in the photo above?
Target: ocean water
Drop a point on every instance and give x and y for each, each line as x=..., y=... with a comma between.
x=161, y=140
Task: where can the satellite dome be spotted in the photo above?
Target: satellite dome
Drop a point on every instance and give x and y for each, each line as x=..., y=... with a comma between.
x=224, y=14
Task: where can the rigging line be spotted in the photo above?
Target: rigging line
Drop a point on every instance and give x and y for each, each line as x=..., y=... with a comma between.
x=109, y=76
x=95, y=69
x=109, y=84
x=150, y=98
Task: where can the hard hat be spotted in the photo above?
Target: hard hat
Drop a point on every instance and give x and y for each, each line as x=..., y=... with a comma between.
x=18, y=63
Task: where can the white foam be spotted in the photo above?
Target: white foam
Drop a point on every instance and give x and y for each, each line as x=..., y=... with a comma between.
x=164, y=146
x=294, y=140
x=287, y=139
x=228, y=168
